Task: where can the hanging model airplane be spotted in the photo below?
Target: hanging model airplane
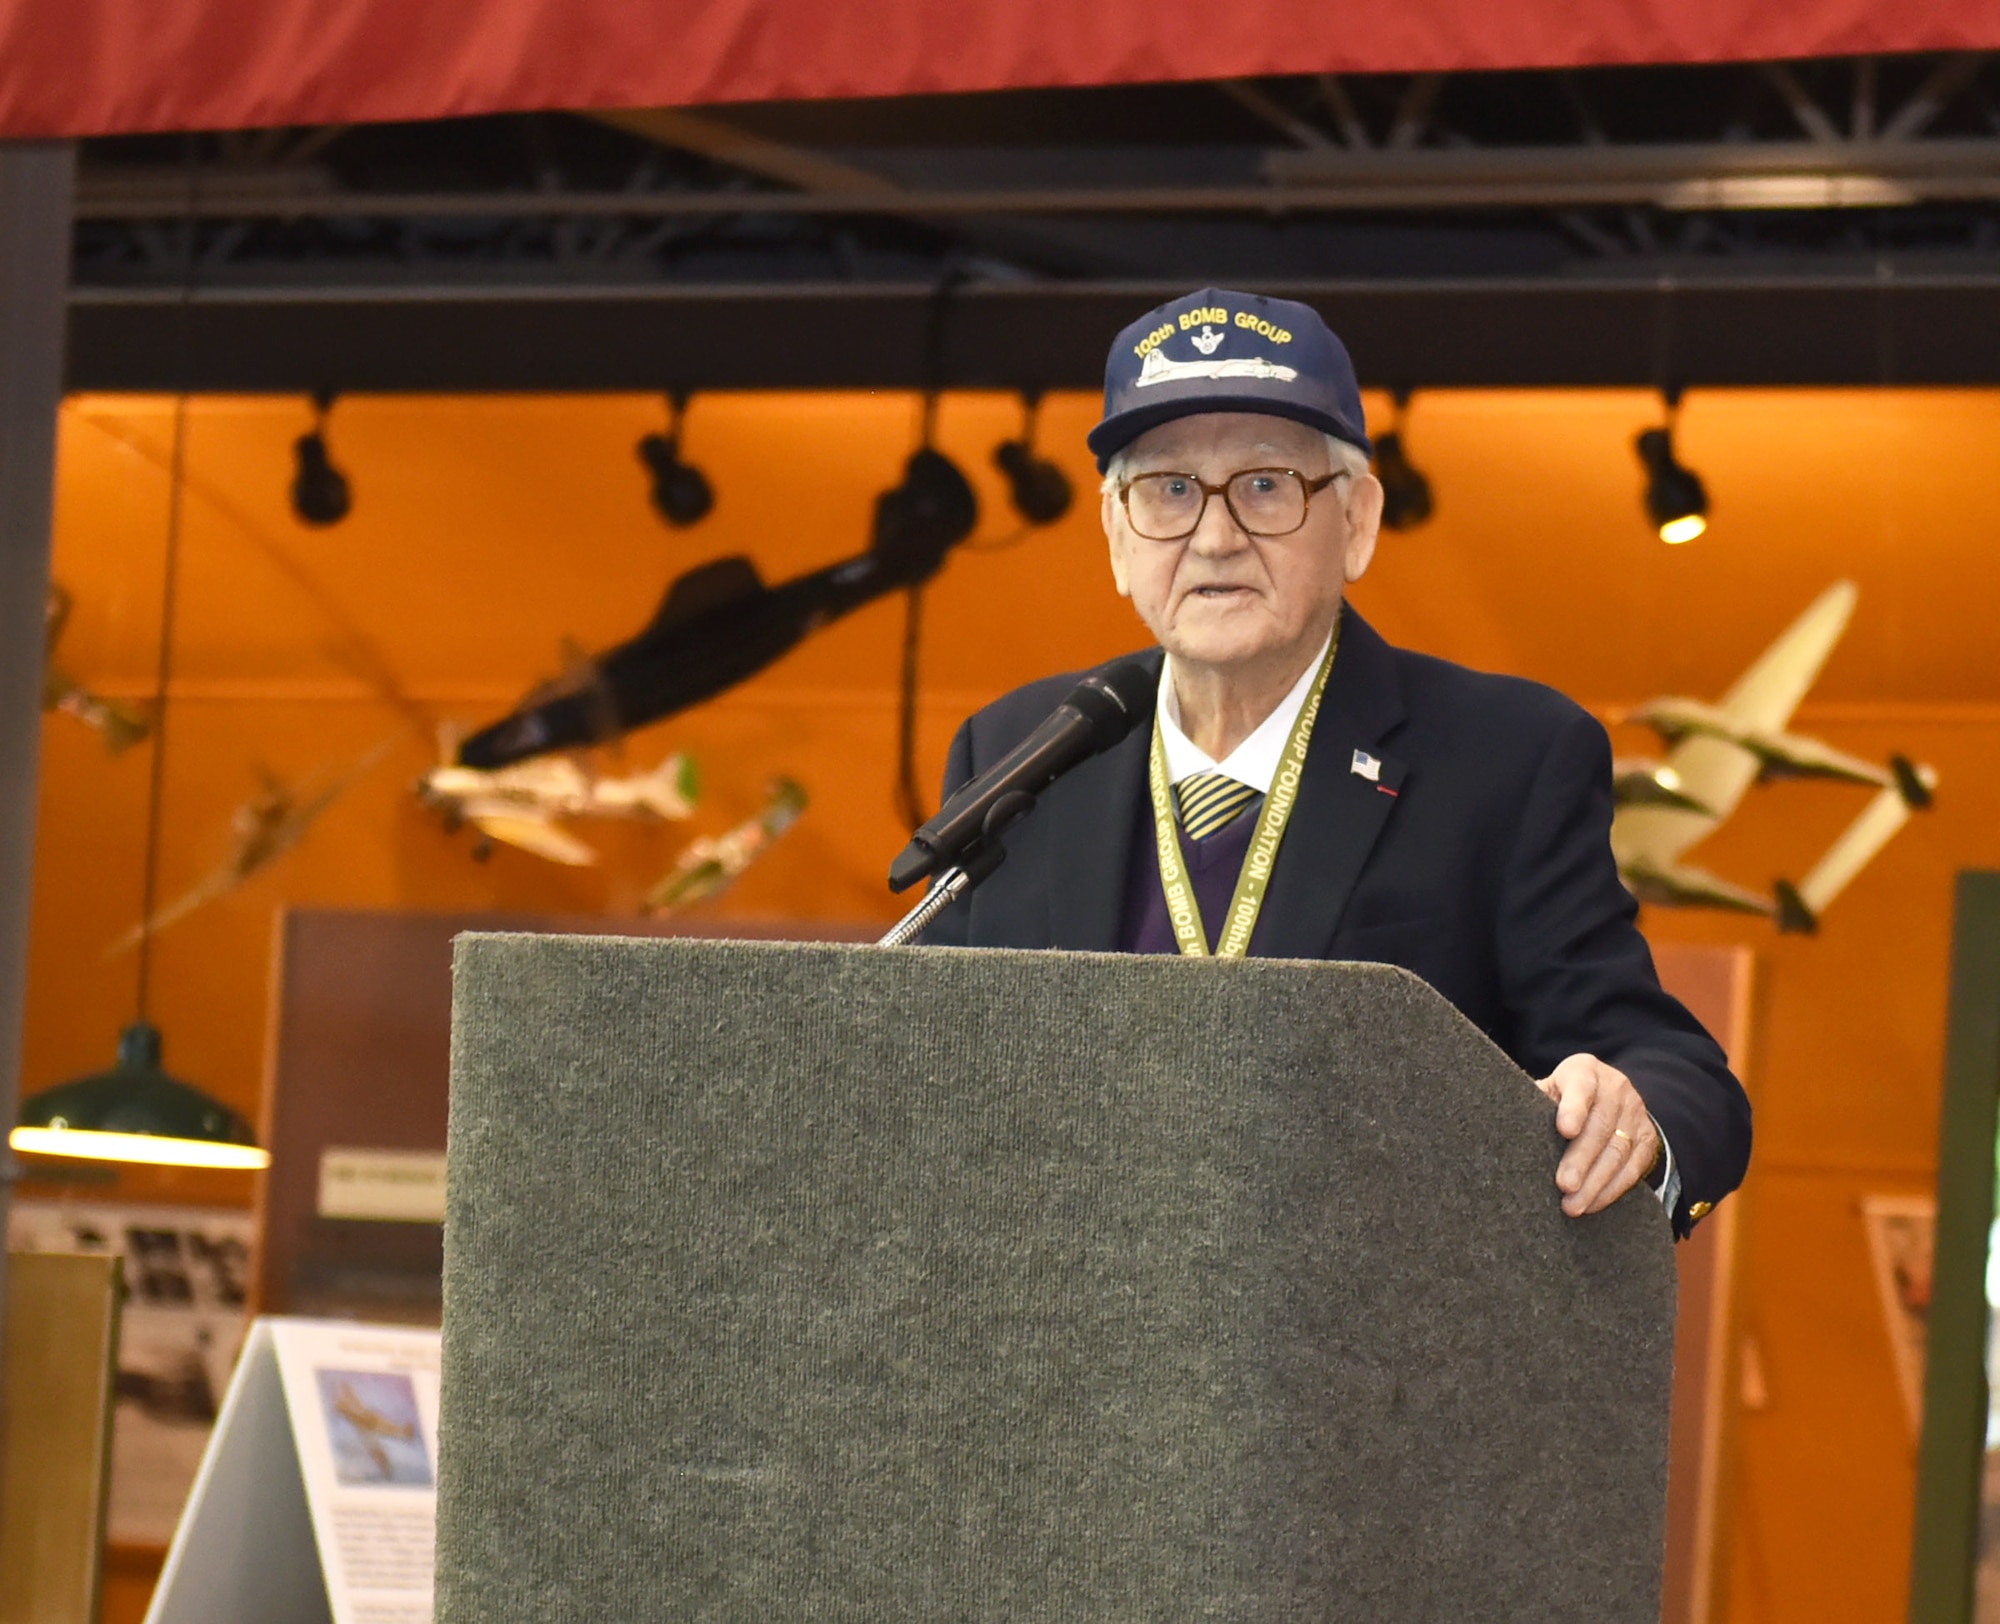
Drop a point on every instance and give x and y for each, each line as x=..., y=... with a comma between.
x=710, y=866
x=122, y=725
x=525, y=805
x=720, y=624
x=266, y=827
x=1717, y=752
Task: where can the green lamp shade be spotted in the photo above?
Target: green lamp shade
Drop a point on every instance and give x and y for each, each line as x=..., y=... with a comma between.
x=136, y=1112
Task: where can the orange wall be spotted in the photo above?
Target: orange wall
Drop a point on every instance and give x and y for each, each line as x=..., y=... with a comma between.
x=486, y=530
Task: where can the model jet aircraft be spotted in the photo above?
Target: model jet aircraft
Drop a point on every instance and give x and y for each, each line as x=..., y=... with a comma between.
x=1717, y=752
x=710, y=866
x=720, y=624
x=122, y=725
x=526, y=805
x=266, y=827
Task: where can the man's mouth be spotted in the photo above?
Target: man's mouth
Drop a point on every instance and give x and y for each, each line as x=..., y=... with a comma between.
x=1219, y=591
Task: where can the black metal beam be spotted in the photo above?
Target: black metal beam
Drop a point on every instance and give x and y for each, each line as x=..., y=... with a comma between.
x=1829, y=174
x=1825, y=330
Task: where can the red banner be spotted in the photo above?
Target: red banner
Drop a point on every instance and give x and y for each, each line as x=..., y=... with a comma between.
x=90, y=67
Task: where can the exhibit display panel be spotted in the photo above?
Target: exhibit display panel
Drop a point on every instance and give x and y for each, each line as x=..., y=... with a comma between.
x=1955, y=1567
x=55, y=1434
x=1718, y=986
x=358, y=1062
x=789, y=1280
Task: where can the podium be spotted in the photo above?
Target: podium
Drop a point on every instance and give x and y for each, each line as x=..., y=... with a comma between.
x=833, y=1283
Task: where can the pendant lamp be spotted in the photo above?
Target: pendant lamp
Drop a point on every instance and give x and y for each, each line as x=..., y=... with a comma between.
x=136, y=1111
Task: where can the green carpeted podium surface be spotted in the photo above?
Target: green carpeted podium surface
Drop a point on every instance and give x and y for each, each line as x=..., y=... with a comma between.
x=826, y=1283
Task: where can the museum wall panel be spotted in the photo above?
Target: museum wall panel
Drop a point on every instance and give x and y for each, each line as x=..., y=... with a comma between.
x=487, y=531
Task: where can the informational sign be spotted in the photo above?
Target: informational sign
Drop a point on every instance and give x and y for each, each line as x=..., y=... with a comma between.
x=324, y=1463
x=382, y=1186
x=186, y=1273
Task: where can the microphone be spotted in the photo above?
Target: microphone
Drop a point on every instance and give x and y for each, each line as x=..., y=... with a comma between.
x=1098, y=712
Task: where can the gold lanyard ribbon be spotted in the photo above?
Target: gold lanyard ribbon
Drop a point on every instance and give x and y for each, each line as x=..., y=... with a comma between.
x=1183, y=911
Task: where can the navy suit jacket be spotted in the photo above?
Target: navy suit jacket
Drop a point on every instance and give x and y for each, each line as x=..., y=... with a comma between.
x=1480, y=860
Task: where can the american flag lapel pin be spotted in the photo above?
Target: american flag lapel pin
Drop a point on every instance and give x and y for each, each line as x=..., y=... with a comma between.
x=1370, y=767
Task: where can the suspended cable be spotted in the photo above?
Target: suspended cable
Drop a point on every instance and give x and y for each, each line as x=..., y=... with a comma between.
x=164, y=670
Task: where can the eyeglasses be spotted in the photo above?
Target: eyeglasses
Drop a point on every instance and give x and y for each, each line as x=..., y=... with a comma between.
x=1264, y=502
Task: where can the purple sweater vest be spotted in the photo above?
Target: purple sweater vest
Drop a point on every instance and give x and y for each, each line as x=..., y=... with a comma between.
x=1213, y=864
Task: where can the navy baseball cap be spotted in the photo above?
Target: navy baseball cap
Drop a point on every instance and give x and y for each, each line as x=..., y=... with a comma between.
x=1218, y=351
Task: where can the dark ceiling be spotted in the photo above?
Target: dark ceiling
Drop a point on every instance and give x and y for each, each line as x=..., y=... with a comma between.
x=1817, y=222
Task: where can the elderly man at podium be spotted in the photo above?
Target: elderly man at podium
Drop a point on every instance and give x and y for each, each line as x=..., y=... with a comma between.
x=1445, y=820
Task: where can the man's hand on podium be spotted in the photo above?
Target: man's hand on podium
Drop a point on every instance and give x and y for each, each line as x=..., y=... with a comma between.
x=1613, y=1142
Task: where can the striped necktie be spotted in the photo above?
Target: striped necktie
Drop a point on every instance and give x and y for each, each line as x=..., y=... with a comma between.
x=1208, y=801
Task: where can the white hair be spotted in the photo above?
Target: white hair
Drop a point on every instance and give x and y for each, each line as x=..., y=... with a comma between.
x=1343, y=455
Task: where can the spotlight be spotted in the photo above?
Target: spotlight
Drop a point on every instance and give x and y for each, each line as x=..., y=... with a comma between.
x=932, y=511
x=1676, y=501
x=320, y=495
x=1039, y=489
x=1406, y=493
x=681, y=492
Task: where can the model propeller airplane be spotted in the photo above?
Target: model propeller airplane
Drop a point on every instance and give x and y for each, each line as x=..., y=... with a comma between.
x=526, y=804
x=122, y=725
x=721, y=623
x=266, y=827
x=712, y=864
x=1717, y=752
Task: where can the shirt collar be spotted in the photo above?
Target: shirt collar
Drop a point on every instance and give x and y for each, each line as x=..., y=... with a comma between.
x=1253, y=762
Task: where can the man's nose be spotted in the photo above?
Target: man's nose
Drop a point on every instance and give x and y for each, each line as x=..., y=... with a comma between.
x=1217, y=534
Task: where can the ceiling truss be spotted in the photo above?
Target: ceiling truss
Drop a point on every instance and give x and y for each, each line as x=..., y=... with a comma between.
x=1846, y=177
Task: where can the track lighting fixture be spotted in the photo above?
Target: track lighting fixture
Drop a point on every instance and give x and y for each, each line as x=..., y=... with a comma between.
x=320, y=494
x=681, y=492
x=932, y=511
x=1039, y=489
x=1676, y=500
x=916, y=524
x=1406, y=493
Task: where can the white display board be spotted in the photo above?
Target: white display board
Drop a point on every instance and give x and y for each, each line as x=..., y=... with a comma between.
x=317, y=1498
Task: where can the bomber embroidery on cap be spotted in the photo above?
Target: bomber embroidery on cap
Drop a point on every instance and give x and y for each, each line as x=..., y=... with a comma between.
x=1158, y=369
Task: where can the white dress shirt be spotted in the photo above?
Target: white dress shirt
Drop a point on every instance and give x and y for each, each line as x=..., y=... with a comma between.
x=1254, y=763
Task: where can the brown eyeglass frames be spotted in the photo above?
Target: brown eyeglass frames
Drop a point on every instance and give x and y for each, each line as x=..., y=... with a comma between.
x=1264, y=502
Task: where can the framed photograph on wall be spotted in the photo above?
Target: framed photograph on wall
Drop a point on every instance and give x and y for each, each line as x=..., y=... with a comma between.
x=1902, y=1236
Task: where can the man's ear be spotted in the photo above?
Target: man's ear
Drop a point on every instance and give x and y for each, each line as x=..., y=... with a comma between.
x=1114, y=541
x=1364, y=524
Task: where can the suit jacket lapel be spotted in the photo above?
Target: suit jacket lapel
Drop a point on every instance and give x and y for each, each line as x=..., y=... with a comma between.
x=1340, y=811
x=1091, y=816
